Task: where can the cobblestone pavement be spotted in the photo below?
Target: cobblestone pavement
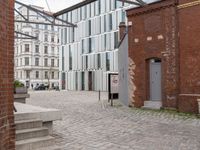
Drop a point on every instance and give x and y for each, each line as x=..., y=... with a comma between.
x=89, y=124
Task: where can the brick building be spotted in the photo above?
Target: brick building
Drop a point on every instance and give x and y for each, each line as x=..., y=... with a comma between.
x=7, y=129
x=164, y=48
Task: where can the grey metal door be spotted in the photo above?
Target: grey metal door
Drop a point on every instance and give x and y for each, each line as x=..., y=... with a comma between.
x=155, y=81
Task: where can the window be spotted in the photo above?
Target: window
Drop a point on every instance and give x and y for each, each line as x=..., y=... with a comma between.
x=37, y=74
x=52, y=28
x=46, y=38
x=36, y=61
x=98, y=61
x=52, y=75
x=110, y=22
x=27, y=74
x=46, y=74
x=37, y=48
x=52, y=50
x=37, y=36
x=46, y=49
x=37, y=26
x=86, y=62
x=52, y=62
x=107, y=61
x=116, y=40
x=89, y=28
x=45, y=27
x=70, y=58
x=46, y=62
x=52, y=38
x=26, y=47
x=26, y=61
x=90, y=45
x=83, y=46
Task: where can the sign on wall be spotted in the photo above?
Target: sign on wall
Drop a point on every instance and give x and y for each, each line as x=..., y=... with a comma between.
x=114, y=82
x=113, y=86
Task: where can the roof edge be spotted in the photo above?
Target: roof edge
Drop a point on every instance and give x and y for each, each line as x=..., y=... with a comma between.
x=73, y=7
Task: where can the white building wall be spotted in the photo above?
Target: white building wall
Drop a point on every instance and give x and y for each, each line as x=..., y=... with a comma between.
x=20, y=54
x=95, y=34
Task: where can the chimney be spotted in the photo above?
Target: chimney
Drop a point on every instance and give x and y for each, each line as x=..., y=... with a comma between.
x=122, y=30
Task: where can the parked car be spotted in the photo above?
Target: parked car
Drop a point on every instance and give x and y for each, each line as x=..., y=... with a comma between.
x=40, y=87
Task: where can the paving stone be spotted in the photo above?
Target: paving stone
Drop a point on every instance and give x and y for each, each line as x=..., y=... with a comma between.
x=89, y=124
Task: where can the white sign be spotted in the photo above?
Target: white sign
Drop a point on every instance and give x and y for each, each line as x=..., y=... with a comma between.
x=114, y=84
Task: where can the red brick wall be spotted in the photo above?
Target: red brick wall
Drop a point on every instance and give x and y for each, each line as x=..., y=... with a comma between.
x=154, y=21
x=189, y=44
x=7, y=129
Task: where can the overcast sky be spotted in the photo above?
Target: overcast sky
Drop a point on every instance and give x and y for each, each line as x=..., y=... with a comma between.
x=55, y=5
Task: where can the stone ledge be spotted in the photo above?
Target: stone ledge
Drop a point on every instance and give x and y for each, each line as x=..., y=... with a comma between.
x=44, y=114
x=16, y=96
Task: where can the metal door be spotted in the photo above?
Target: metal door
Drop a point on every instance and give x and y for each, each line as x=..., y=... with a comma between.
x=155, y=81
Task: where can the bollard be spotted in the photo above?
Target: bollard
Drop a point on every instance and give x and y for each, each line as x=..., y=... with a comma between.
x=99, y=95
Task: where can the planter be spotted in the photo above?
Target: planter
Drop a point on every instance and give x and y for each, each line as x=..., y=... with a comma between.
x=198, y=100
x=21, y=98
x=21, y=90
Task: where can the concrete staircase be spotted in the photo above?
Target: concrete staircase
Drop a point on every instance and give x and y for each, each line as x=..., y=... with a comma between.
x=31, y=135
x=152, y=105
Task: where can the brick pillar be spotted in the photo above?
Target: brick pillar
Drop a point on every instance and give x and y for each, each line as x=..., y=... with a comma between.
x=122, y=30
x=7, y=128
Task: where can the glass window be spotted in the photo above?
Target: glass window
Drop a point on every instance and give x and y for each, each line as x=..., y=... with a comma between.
x=89, y=27
x=52, y=75
x=46, y=49
x=110, y=22
x=52, y=38
x=83, y=80
x=36, y=61
x=70, y=58
x=52, y=62
x=52, y=28
x=37, y=36
x=46, y=38
x=27, y=74
x=52, y=50
x=46, y=62
x=26, y=61
x=83, y=46
x=26, y=47
x=98, y=61
x=45, y=27
x=107, y=61
x=37, y=48
x=37, y=74
x=116, y=40
x=46, y=74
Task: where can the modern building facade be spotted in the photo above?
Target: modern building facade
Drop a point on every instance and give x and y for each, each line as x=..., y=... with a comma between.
x=90, y=51
x=36, y=60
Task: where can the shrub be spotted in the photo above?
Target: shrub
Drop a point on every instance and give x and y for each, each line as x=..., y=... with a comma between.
x=18, y=84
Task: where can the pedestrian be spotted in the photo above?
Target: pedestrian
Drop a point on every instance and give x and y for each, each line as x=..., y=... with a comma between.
x=32, y=85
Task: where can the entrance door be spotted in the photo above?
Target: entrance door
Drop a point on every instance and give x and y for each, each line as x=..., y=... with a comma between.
x=90, y=81
x=155, y=81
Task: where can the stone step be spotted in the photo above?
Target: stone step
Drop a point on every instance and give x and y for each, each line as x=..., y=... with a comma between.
x=55, y=147
x=152, y=105
x=35, y=143
x=25, y=116
x=28, y=124
x=31, y=133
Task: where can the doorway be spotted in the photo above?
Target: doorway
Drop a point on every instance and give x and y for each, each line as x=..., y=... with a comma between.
x=155, y=80
x=90, y=80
